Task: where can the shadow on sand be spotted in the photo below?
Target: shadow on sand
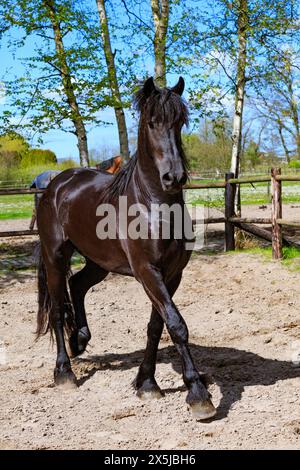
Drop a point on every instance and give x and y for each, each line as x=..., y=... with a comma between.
x=232, y=369
x=17, y=261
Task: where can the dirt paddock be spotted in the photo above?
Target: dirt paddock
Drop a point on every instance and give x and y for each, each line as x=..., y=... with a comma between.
x=244, y=319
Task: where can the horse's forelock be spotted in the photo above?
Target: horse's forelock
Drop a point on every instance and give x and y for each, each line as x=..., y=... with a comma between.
x=163, y=105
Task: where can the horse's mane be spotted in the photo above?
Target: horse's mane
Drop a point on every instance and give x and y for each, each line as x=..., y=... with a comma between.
x=119, y=182
x=163, y=106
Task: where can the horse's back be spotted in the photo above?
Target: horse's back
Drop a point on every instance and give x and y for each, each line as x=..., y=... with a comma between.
x=74, y=191
x=68, y=213
x=78, y=180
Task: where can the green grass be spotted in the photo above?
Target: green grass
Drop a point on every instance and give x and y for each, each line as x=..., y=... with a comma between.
x=291, y=255
x=77, y=261
x=16, y=206
x=291, y=258
x=250, y=195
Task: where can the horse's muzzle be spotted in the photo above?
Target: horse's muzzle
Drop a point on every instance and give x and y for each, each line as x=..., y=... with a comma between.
x=171, y=183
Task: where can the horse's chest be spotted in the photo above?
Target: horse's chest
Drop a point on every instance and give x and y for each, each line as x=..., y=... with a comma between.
x=176, y=256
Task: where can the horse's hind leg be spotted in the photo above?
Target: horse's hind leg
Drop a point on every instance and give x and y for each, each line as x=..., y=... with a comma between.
x=57, y=266
x=79, y=284
x=145, y=382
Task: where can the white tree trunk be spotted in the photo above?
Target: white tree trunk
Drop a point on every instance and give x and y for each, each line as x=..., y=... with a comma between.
x=113, y=81
x=68, y=87
x=240, y=88
x=160, y=14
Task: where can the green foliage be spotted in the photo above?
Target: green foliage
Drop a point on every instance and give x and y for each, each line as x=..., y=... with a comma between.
x=210, y=149
x=251, y=156
x=294, y=164
x=35, y=157
x=267, y=25
x=9, y=159
x=201, y=46
x=19, y=163
x=13, y=142
x=12, y=148
x=53, y=72
x=66, y=164
x=18, y=176
x=276, y=101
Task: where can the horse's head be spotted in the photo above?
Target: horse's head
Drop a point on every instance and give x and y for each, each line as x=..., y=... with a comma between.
x=163, y=113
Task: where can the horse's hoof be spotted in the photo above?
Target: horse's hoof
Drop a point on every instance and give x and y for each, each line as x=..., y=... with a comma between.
x=203, y=410
x=78, y=341
x=154, y=394
x=149, y=390
x=65, y=379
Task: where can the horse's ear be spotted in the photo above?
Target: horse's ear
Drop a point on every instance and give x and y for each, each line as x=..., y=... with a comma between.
x=149, y=87
x=179, y=87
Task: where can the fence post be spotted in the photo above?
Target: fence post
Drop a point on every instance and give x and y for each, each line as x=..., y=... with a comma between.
x=229, y=212
x=276, y=214
x=269, y=191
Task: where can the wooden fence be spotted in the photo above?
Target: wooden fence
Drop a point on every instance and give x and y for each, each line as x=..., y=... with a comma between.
x=249, y=225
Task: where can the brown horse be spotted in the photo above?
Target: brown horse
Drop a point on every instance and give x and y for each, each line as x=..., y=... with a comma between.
x=112, y=166
x=67, y=220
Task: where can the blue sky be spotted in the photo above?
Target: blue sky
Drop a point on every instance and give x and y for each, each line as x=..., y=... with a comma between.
x=105, y=137
x=64, y=144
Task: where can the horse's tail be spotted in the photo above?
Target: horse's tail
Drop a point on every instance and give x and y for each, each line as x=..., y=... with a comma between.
x=44, y=316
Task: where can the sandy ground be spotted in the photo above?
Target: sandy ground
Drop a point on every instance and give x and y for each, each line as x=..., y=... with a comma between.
x=244, y=319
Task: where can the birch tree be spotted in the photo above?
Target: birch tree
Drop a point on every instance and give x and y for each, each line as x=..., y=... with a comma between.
x=61, y=85
x=158, y=31
x=67, y=84
x=113, y=80
x=237, y=37
x=277, y=98
x=160, y=14
x=242, y=33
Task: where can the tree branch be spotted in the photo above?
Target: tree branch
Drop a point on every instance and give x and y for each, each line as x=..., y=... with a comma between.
x=135, y=16
x=224, y=69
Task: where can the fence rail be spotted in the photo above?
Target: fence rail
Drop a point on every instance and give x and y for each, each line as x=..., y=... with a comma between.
x=14, y=191
x=18, y=233
x=231, y=221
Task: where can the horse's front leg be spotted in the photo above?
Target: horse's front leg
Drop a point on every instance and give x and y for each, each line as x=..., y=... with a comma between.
x=198, y=397
x=145, y=382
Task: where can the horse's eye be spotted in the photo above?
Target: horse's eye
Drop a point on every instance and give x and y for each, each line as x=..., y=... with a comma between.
x=150, y=124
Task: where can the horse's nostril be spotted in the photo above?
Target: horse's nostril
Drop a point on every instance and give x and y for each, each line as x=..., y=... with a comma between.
x=168, y=178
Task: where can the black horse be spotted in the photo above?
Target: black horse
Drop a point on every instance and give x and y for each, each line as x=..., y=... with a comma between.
x=67, y=221
x=42, y=180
